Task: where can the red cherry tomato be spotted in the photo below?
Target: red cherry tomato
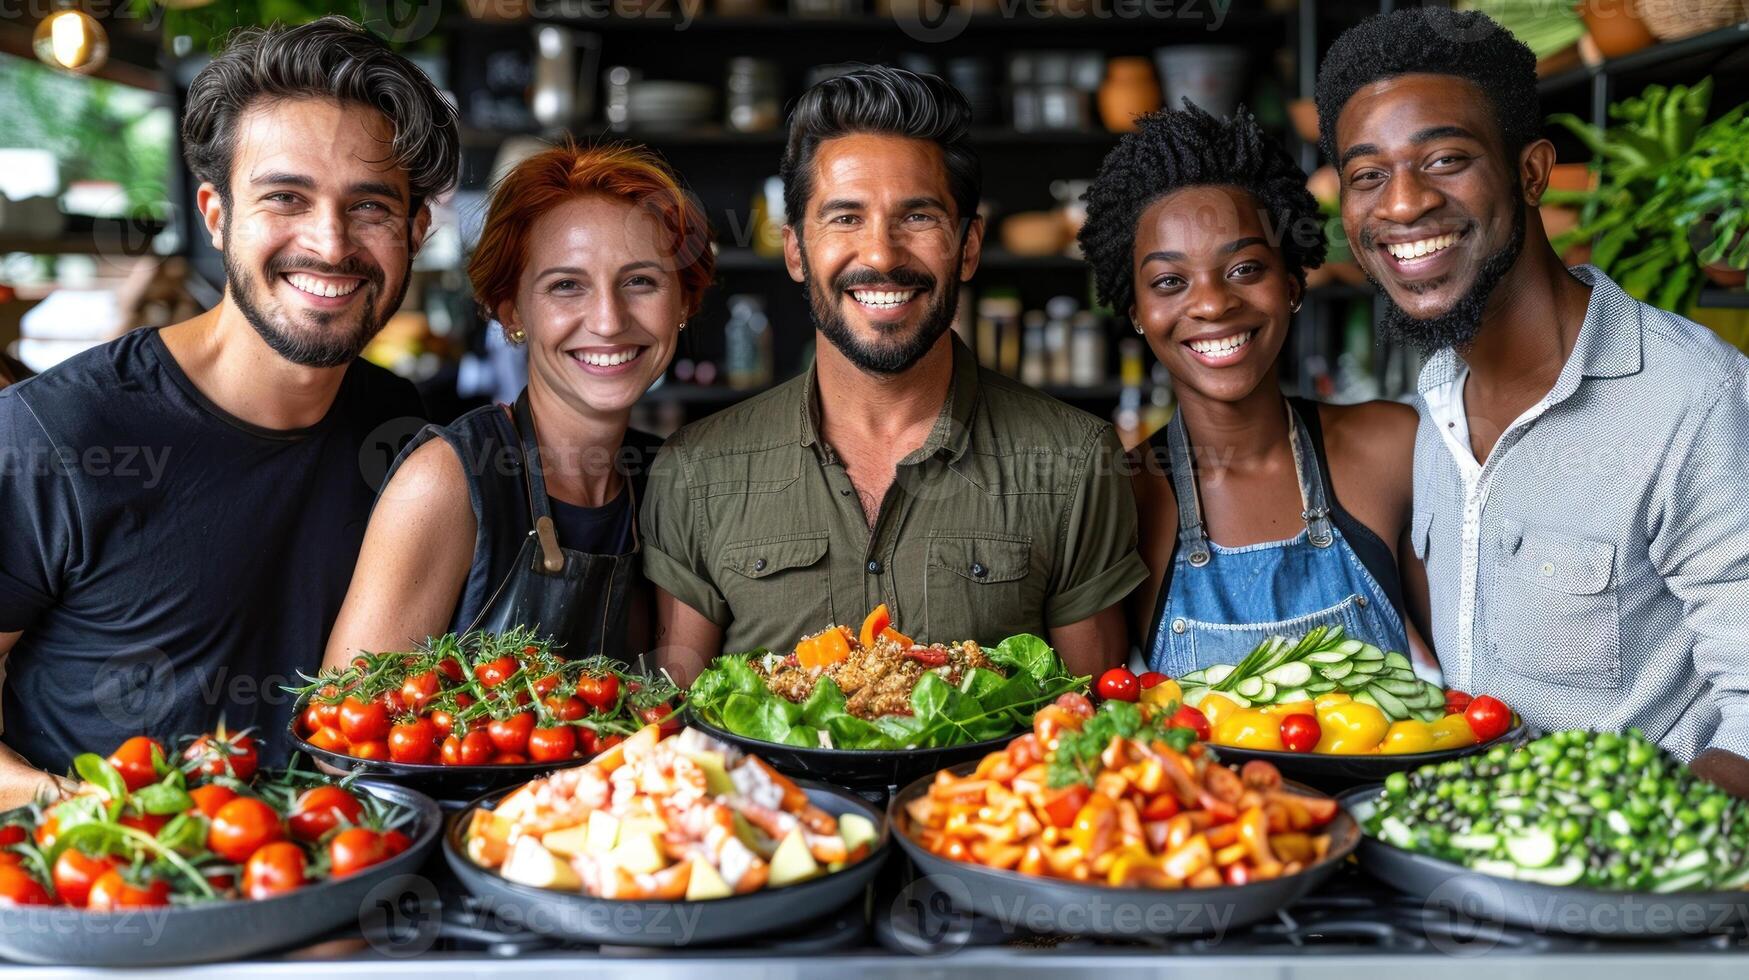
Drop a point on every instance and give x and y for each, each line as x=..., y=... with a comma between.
x=396, y=841
x=1075, y=703
x=418, y=690
x=329, y=740
x=1118, y=684
x=17, y=887
x=376, y=749
x=241, y=826
x=443, y=721
x=234, y=754
x=149, y=823
x=553, y=744
x=362, y=721
x=450, y=668
x=662, y=715
x=134, y=761
x=413, y=742
x=477, y=748
x=495, y=672
x=75, y=872
x=356, y=848
x=320, y=809
x=12, y=834
x=1489, y=717
x=566, y=709
x=511, y=734
x=274, y=869
x=450, y=752
x=1152, y=678
x=207, y=799
x=609, y=741
x=1456, y=702
x=1191, y=718
x=112, y=891
x=509, y=759
x=1061, y=805
x=601, y=693
x=1300, y=733
x=543, y=686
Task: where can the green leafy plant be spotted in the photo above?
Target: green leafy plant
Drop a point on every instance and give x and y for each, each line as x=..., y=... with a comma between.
x=1672, y=195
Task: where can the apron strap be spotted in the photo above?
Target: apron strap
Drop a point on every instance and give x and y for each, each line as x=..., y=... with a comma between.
x=1192, y=539
x=535, y=483
x=1311, y=477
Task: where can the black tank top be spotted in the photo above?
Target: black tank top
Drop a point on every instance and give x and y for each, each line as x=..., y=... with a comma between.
x=1368, y=547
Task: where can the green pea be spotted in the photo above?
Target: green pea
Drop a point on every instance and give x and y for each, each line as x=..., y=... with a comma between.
x=1397, y=784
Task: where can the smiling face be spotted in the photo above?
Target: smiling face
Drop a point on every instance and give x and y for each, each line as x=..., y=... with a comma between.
x=316, y=234
x=1431, y=200
x=880, y=249
x=600, y=302
x=1212, y=294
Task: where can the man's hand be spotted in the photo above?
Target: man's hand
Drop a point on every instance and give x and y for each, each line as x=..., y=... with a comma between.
x=1726, y=770
x=686, y=642
x=22, y=784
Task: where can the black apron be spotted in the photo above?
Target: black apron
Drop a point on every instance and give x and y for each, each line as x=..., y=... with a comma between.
x=577, y=599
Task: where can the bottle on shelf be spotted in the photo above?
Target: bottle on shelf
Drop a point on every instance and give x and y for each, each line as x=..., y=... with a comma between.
x=747, y=353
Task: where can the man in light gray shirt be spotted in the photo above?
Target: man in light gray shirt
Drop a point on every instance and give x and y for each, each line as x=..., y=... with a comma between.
x=1580, y=465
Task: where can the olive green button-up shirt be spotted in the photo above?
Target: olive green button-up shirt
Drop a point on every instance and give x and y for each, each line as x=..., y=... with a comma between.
x=1013, y=517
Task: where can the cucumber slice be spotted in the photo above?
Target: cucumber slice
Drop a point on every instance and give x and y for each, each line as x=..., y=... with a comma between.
x=1389, y=703
x=1349, y=648
x=1534, y=848
x=1250, y=687
x=1475, y=842
x=1216, y=674
x=1509, y=804
x=1402, y=689
x=1326, y=657
x=1691, y=861
x=1336, y=672
x=1738, y=880
x=1289, y=695
x=1497, y=868
x=1364, y=696
x=1560, y=876
x=1396, y=833
x=1617, y=822
x=1430, y=715
x=1289, y=675
x=1678, y=882
x=1266, y=694
x=1366, y=666
x=1370, y=652
x=1193, y=678
x=1280, y=654
x=1397, y=661
x=1320, y=687
x=1237, y=698
x=1193, y=696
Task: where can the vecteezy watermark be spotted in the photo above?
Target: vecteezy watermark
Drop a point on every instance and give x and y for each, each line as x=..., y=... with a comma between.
x=634, y=923
x=69, y=926
x=938, y=21
x=135, y=689
x=144, y=463
x=400, y=21
x=1479, y=909
x=680, y=12
x=401, y=916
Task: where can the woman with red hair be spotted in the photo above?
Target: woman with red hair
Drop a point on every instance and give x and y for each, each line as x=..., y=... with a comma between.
x=526, y=515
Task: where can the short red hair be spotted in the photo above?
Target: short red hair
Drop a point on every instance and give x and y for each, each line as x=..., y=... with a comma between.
x=556, y=175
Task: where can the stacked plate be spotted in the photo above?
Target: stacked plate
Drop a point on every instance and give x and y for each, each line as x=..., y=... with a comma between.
x=668, y=106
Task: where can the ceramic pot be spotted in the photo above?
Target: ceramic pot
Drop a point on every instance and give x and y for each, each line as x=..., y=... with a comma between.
x=1130, y=90
x=1615, y=26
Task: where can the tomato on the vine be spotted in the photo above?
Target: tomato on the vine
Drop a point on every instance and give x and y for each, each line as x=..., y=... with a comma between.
x=601, y=693
x=364, y=721
x=496, y=671
x=511, y=734
x=544, y=686
x=241, y=826
x=274, y=869
x=418, y=690
x=477, y=748
x=566, y=709
x=509, y=759
x=113, y=891
x=375, y=749
x=443, y=721
x=554, y=744
x=662, y=715
x=207, y=799
x=451, y=668
x=329, y=740
x=320, y=809
x=1118, y=684
x=19, y=887
x=356, y=848
x=413, y=741
x=213, y=755
x=1075, y=703
x=134, y=761
x=75, y=872
x=1193, y=719
x=147, y=823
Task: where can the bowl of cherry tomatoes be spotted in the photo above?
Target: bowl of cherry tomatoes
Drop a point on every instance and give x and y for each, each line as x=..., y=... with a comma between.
x=159, y=858
x=464, y=715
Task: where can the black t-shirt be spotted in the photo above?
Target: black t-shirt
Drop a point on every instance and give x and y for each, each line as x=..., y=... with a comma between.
x=169, y=564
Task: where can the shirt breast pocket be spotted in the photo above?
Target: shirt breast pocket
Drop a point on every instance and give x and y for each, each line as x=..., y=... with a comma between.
x=1554, y=614
x=780, y=582
x=978, y=586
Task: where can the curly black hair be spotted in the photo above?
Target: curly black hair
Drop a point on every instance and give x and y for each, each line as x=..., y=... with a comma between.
x=1177, y=148
x=1467, y=44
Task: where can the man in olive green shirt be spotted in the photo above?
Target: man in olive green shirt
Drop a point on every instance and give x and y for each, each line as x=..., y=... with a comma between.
x=895, y=470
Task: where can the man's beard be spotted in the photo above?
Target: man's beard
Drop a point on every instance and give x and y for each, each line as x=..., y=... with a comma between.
x=898, y=354
x=322, y=346
x=1458, y=326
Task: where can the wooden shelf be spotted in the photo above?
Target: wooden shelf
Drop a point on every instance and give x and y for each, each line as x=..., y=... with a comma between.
x=1652, y=57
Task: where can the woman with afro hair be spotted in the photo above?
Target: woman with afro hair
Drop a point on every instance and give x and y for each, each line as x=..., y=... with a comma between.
x=1261, y=515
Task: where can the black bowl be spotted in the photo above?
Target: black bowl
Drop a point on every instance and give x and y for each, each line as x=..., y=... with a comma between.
x=446, y=784
x=1027, y=903
x=859, y=769
x=1335, y=773
x=222, y=930
x=1489, y=899
x=577, y=917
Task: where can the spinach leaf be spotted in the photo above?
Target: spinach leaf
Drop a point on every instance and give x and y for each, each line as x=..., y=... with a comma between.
x=1027, y=654
x=826, y=703
x=97, y=771
x=803, y=736
x=163, y=798
x=851, y=732
x=756, y=717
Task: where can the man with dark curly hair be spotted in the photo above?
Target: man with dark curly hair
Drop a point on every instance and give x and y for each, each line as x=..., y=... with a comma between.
x=895, y=470
x=1580, y=453
x=183, y=507
x=1260, y=515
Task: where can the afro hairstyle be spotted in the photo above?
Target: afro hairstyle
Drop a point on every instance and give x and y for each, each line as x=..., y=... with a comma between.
x=1178, y=148
x=1466, y=44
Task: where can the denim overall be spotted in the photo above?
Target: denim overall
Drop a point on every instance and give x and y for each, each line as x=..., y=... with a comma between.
x=1224, y=601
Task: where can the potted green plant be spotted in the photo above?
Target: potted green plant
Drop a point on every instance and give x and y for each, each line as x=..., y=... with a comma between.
x=1665, y=178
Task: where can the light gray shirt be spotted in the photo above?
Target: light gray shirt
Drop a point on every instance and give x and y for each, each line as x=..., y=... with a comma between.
x=1594, y=572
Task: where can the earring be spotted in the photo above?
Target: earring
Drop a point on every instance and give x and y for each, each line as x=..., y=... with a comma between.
x=683, y=326
x=517, y=337
x=1297, y=304
x=1138, y=328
